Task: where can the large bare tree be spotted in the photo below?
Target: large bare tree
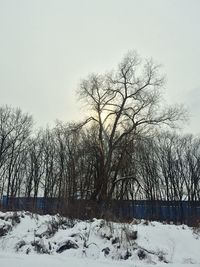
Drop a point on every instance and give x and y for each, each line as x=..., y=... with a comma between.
x=123, y=103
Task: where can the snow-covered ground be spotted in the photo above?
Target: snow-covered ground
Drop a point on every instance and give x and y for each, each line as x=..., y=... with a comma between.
x=28, y=239
x=13, y=260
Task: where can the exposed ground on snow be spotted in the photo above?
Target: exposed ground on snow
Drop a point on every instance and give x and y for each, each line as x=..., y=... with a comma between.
x=26, y=237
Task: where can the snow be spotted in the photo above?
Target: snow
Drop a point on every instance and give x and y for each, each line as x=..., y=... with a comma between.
x=30, y=239
x=13, y=260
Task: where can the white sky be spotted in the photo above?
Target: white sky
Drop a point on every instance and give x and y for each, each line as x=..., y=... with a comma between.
x=47, y=46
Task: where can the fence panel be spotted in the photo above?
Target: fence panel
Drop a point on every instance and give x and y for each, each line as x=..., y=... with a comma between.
x=171, y=211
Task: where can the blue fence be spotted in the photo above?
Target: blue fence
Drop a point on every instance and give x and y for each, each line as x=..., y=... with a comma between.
x=24, y=203
x=176, y=211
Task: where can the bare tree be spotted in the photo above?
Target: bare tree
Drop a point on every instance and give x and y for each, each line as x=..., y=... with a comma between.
x=123, y=103
x=15, y=129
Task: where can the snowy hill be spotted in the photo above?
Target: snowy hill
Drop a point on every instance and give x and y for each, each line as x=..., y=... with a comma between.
x=139, y=242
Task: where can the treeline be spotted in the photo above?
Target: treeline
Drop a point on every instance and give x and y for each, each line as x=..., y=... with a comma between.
x=63, y=162
x=120, y=151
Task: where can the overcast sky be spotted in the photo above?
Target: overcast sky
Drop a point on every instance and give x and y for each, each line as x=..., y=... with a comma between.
x=47, y=46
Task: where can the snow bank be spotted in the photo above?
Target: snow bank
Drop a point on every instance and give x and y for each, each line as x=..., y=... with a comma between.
x=137, y=242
